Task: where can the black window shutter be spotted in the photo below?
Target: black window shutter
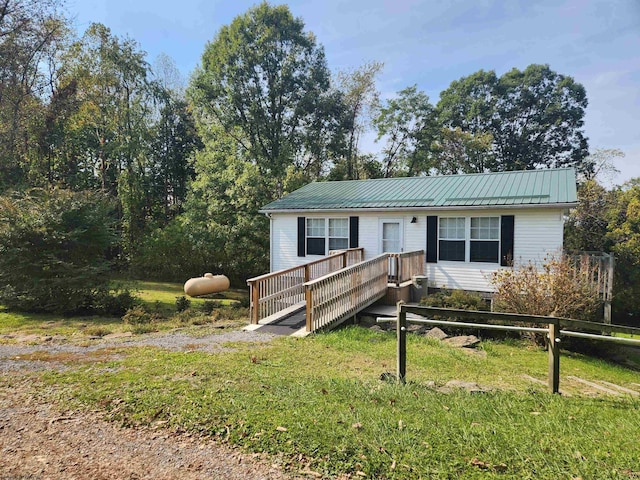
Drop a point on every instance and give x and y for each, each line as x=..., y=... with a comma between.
x=301, y=236
x=506, y=240
x=353, y=231
x=432, y=239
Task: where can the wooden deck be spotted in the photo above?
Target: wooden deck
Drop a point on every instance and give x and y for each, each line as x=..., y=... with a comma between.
x=291, y=302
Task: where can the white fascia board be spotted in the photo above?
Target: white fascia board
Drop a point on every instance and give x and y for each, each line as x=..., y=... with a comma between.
x=423, y=209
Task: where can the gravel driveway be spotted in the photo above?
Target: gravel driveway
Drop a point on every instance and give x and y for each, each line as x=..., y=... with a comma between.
x=41, y=441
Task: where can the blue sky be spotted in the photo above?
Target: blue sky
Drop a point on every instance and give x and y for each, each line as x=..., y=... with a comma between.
x=430, y=43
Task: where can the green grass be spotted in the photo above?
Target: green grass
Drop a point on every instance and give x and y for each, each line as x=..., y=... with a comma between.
x=318, y=404
x=157, y=297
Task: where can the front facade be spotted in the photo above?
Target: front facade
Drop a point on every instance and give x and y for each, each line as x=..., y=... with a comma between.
x=468, y=225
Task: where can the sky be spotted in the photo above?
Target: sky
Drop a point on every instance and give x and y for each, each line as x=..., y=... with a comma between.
x=430, y=43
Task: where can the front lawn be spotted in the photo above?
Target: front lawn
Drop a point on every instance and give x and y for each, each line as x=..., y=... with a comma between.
x=317, y=404
x=158, y=298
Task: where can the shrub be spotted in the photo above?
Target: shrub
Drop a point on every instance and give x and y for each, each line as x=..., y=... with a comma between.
x=209, y=306
x=182, y=303
x=559, y=289
x=53, y=246
x=459, y=299
x=137, y=316
x=113, y=303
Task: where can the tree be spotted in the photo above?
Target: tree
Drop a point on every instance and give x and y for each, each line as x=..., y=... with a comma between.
x=263, y=79
x=408, y=122
x=599, y=164
x=31, y=32
x=109, y=131
x=361, y=97
x=586, y=227
x=535, y=116
x=53, y=246
x=456, y=151
x=624, y=237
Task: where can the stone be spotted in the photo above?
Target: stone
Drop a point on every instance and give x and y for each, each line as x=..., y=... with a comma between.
x=436, y=333
x=462, y=341
x=376, y=328
x=419, y=329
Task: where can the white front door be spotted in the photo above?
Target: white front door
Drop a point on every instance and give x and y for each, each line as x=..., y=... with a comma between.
x=391, y=235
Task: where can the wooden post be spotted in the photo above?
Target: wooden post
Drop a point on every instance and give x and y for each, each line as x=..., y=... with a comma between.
x=401, y=329
x=306, y=273
x=309, y=314
x=554, y=358
x=255, y=300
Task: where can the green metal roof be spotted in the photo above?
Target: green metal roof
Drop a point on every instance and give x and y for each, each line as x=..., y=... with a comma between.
x=527, y=187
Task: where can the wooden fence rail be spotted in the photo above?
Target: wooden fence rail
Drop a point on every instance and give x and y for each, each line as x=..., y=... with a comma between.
x=277, y=291
x=339, y=295
x=498, y=321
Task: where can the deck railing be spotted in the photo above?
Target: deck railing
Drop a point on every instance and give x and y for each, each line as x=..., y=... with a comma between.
x=341, y=294
x=403, y=266
x=277, y=291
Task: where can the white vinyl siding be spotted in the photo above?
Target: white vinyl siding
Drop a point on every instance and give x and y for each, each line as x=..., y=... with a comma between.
x=537, y=233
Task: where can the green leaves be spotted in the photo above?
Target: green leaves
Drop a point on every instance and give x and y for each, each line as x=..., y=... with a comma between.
x=535, y=116
x=53, y=248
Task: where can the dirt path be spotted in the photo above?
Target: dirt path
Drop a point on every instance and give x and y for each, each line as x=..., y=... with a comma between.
x=41, y=441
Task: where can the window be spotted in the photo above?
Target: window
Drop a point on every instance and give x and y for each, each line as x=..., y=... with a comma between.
x=485, y=239
x=315, y=236
x=336, y=230
x=452, y=239
x=480, y=237
x=338, y=233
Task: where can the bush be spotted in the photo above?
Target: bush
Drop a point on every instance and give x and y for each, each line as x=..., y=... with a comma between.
x=459, y=299
x=182, y=303
x=137, y=316
x=114, y=304
x=53, y=246
x=208, y=306
x=558, y=289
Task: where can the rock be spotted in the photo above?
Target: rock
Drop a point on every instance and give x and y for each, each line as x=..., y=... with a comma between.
x=419, y=329
x=462, y=341
x=436, y=333
x=376, y=328
x=471, y=387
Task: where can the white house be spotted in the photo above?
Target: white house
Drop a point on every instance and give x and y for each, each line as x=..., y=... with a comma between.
x=468, y=225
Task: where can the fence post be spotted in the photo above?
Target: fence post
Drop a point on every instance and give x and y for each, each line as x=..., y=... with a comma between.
x=309, y=314
x=554, y=358
x=255, y=299
x=401, y=329
x=306, y=273
x=344, y=259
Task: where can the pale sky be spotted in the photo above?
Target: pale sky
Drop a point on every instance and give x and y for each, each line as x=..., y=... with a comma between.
x=430, y=43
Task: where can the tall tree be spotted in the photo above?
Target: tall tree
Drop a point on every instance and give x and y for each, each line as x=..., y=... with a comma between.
x=456, y=151
x=263, y=79
x=409, y=125
x=535, y=116
x=361, y=97
x=30, y=34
